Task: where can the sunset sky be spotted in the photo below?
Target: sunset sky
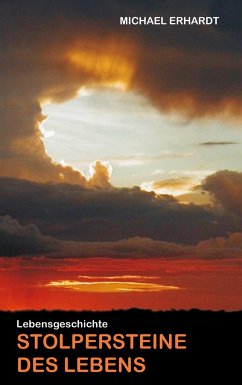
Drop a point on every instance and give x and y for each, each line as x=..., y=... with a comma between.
x=120, y=156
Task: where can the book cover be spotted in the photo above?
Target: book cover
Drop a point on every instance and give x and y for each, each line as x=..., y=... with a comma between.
x=120, y=190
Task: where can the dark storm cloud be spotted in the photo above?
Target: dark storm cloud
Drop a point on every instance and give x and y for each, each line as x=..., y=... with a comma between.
x=71, y=212
x=226, y=188
x=16, y=239
x=208, y=59
x=27, y=240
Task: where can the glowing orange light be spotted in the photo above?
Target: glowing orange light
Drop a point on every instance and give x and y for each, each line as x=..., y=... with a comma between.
x=109, y=286
x=110, y=68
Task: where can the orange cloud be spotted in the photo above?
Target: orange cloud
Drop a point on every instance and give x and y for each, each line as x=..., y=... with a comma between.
x=109, y=286
x=118, y=277
x=109, y=64
x=173, y=186
x=184, y=189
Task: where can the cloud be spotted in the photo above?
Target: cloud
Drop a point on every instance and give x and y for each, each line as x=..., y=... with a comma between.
x=27, y=240
x=173, y=186
x=140, y=159
x=110, y=287
x=135, y=247
x=23, y=154
x=221, y=247
x=229, y=246
x=226, y=188
x=19, y=240
x=223, y=143
x=74, y=213
x=185, y=189
x=50, y=51
x=100, y=174
x=22, y=240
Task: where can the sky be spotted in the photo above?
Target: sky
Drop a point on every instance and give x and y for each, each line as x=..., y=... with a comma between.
x=120, y=157
x=172, y=147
